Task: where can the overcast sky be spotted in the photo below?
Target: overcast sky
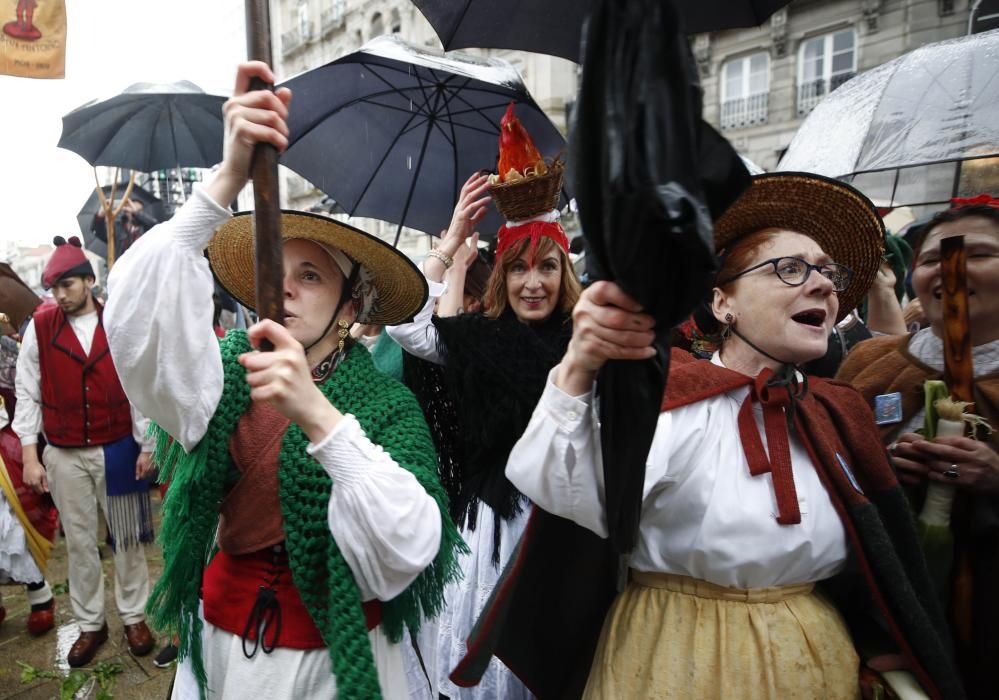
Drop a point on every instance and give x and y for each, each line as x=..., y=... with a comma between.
x=111, y=44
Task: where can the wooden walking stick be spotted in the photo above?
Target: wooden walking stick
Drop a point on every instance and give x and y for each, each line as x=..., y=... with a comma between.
x=266, y=193
x=959, y=375
x=111, y=211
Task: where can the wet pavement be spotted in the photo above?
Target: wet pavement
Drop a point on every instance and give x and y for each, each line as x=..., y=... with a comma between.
x=138, y=680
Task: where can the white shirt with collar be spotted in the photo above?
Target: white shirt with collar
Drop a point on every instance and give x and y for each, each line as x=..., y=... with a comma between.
x=703, y=514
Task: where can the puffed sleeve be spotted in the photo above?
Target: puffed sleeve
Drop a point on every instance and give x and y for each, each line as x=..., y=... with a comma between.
x=387, y=527
x=419, y=336
x=158, y=321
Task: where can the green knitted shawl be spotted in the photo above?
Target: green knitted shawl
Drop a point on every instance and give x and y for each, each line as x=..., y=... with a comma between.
x=390, y=417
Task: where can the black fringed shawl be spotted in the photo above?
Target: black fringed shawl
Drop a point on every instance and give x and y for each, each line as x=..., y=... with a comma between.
x=493, y=377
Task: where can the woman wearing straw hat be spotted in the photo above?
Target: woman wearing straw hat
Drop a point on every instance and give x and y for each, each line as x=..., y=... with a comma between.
x=316, y=470
x=494, y=364
x=761, y=482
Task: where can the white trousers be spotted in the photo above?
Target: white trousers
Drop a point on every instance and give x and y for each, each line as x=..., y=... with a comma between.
x=76, y=480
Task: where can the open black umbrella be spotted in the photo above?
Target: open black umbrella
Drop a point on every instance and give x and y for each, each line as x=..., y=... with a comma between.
x=130, y=223
x=555, y=26
x=392, y=131
x=148, y=127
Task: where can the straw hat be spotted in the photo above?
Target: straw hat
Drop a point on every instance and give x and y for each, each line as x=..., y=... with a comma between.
x=392, y=287
x=835, y=215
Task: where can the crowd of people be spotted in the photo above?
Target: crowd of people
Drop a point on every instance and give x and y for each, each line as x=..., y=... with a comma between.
x=348, y=493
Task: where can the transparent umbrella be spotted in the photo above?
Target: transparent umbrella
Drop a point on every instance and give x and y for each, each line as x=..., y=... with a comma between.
x=915, y=131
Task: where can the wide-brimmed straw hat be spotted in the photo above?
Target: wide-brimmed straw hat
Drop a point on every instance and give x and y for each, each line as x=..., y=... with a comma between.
x=839, y=218
x=392, y=286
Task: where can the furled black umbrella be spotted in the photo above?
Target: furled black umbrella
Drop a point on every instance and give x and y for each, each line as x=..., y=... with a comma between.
x=130, y=223
x=392, y=131
x=555, y=26
x=649, y=176
x=148, y=127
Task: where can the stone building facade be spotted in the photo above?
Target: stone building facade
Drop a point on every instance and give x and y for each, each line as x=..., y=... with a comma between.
x=759, y=83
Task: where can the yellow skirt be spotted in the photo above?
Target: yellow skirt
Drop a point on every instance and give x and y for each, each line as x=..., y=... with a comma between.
x=670, y=636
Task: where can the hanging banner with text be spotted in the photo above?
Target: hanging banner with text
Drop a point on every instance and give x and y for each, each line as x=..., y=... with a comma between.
x=33, y=38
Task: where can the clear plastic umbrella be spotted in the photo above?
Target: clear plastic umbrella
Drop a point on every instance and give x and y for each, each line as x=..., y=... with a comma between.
x=917, y=130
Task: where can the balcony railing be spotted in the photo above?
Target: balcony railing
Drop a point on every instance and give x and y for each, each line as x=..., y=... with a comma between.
x=291, y=41
x=330, y=20
x=812, y=92
x=745, y=111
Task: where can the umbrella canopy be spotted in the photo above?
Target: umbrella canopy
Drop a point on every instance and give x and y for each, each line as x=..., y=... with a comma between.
x=94, y=230
x=148, y=127
x=554, y=27
x=392, y=131
x=17, y=301
x=917, y=130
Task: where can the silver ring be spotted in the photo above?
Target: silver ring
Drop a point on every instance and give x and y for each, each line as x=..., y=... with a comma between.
x=891, y=448
x=953, y=472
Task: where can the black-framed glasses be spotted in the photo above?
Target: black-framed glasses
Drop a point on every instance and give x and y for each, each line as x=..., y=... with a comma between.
x=795, y=272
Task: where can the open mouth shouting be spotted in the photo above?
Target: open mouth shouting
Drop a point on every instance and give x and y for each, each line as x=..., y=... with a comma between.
x=814, y=318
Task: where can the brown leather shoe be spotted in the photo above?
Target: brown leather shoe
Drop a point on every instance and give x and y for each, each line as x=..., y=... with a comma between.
x=85, y=647
x=140, y=639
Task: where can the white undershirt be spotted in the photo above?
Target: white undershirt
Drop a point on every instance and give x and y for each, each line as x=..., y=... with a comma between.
x=703, y=514
x=159, y=326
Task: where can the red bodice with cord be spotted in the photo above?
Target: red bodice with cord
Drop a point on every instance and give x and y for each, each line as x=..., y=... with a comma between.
x=247, y=589
x=83, y=403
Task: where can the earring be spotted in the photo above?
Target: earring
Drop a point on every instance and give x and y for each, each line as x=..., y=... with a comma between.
x=343, y=332
x=726, y=332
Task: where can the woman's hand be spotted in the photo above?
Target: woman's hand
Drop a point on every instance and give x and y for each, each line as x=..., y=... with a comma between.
x=251, y=117
x=469, y=211
x=960, y=461
x=607, y=324
x=284, y=378
x=919, y=460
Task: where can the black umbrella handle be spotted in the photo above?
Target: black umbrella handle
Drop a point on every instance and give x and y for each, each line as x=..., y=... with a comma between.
x=266, y=190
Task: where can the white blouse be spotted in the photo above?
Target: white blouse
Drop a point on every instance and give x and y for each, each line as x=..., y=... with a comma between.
x=703, y=514
x=158, y=322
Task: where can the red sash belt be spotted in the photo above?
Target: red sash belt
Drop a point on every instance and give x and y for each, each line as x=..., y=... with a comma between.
x=231, y=587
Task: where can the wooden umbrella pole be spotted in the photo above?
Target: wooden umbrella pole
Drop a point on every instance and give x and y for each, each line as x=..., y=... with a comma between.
x=266, y=193
x=959, y=375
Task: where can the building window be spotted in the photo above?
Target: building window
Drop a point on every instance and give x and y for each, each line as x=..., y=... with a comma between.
x=377, y=25
x=396, y=23
x=338, y=9
x=304, y=24
x=825, y=63
x=745, y=91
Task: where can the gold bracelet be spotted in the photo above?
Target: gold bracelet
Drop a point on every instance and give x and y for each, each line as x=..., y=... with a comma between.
x=446, y=259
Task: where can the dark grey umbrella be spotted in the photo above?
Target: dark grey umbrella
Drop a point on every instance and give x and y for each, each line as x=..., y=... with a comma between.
x=94, y=229
x=392, y=131
x=555, y=26
x=148, y=127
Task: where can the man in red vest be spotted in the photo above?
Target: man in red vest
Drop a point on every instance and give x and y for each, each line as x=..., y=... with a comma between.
x=68, y=389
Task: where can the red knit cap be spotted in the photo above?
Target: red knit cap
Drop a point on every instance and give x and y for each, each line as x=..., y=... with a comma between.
x=68, y=260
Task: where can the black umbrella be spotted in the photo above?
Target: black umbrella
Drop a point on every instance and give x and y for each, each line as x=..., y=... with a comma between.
x=128, y=225
x=649, y=177
x=148, y=127
x=555, y=26
x=392, y=131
